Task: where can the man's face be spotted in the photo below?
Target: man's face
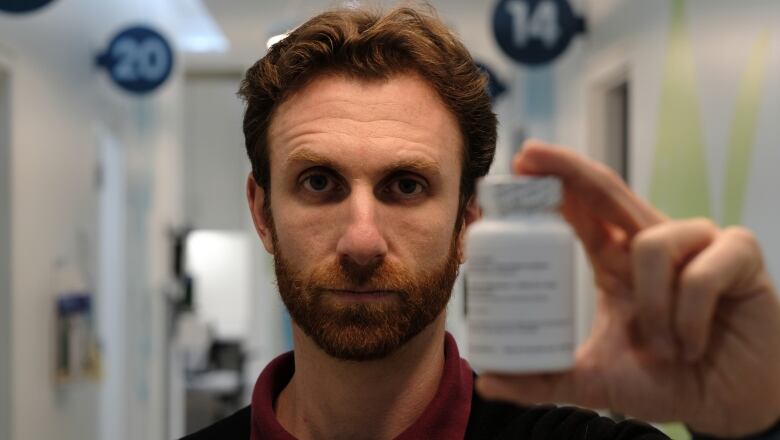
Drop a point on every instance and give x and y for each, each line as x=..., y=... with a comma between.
x=364, y=197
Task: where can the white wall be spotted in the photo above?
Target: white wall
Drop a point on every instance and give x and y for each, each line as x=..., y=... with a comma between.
x=58, y=98
x=630, y=39
x=634, y=37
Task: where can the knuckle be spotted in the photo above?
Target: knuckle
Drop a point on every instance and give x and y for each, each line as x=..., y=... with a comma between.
x=744, y=236
x=695, y=282
x=704, y=224
x=650, y=246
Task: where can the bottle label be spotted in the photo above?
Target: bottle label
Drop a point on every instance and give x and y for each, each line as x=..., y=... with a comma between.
x=520, y=194
x=520, y=307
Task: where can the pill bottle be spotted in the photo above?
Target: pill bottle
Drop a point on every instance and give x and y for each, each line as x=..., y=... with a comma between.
x=520, y=278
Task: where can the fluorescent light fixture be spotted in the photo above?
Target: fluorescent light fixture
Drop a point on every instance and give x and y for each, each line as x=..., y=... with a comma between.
x=196, y=30
x=275, y=39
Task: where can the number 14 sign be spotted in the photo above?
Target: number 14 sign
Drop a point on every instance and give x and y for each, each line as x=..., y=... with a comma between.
x=138, y=59
x=535, y=32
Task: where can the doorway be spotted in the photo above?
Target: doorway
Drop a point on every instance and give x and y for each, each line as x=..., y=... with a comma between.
x=616, y=128
x=608, y=121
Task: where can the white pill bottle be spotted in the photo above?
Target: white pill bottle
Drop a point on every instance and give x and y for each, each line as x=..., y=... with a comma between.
x=520, y=278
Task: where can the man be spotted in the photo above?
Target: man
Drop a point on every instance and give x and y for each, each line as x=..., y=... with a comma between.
x=366, y=134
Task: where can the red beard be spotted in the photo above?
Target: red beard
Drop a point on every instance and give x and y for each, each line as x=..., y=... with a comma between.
x=364, y=330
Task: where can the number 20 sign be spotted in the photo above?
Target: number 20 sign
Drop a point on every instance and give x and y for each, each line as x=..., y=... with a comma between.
x=138, y=59
x=535, y=32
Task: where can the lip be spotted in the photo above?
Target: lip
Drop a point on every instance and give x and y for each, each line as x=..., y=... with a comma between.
x=361, y=294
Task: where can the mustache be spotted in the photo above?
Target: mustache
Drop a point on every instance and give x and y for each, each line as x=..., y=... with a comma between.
x=345, y=274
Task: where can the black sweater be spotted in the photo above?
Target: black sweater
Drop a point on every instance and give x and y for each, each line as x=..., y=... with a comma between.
x=494, y=420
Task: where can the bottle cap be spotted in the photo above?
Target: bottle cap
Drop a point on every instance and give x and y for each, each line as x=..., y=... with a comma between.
x=502, y=195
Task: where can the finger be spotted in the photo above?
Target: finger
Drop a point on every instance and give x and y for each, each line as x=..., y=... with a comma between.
x=605, y=245
x=655, y=255
x=722, y=269
x=523, y=389
x=600, y=188
x=592, y=231
x=573, y=387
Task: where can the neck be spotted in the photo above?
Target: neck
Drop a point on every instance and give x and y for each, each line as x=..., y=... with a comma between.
x=332, y=398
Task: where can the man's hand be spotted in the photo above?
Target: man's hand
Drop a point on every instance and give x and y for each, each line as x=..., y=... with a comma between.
x=688, y=322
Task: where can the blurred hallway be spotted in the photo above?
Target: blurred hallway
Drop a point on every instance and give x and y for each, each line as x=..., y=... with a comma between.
x=136, y=301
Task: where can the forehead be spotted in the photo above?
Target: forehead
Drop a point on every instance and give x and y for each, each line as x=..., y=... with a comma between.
x=403, y=112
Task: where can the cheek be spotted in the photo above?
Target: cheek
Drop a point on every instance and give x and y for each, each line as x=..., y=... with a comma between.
x=305, y=237
x=425, y=237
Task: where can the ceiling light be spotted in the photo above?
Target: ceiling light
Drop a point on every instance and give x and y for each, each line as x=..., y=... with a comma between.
x=196, y=30
x=275, y=39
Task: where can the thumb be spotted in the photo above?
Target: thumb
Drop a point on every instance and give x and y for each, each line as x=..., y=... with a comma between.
x=527, y=389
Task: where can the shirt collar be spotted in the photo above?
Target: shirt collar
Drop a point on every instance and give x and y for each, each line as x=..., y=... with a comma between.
x=446, y=416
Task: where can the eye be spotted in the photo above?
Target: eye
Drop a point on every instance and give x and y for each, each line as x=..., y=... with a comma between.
x=406, y=187
x=318, y=183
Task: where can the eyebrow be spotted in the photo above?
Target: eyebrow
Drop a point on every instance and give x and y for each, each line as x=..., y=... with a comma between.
x=415, y=164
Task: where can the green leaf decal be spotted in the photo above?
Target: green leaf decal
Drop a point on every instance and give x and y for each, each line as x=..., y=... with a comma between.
x=680, y=185
x=743, y=130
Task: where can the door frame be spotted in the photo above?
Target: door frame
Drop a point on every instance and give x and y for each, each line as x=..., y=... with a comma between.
x=606, y=71
x=6, y=249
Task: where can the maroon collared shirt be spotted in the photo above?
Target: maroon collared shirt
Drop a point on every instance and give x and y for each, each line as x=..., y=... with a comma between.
x=456, y=412
x=445, y=417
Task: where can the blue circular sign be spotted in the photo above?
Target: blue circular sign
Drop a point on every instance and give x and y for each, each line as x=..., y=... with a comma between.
x=19, y=6
x=138, y=59
x=535, y=32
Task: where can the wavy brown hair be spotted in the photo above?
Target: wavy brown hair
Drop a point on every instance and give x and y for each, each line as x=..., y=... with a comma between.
x=370, y=45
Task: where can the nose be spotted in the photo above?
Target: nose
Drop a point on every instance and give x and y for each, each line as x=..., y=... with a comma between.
x=362, y=241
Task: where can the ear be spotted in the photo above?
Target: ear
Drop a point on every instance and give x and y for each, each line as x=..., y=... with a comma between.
x=255, y=196
x=471, y=214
